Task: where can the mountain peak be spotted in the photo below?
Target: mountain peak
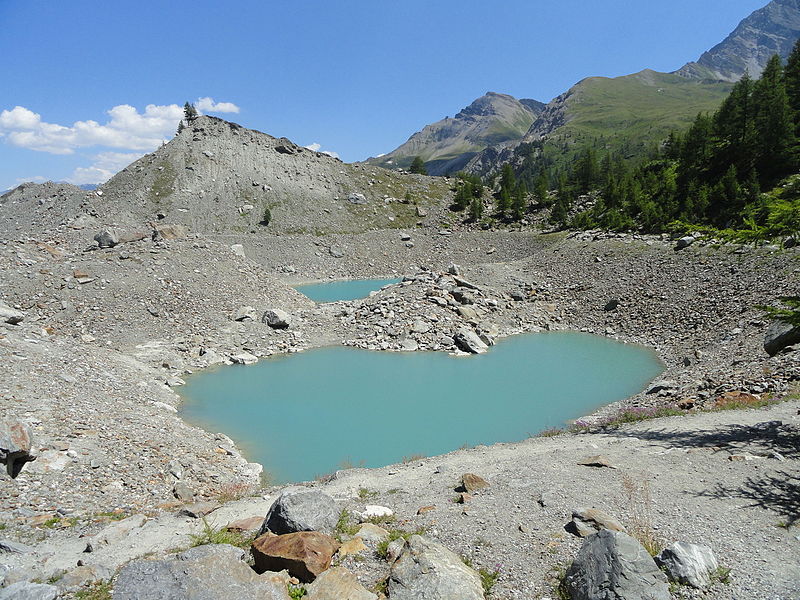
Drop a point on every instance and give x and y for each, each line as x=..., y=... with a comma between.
x=773, y=29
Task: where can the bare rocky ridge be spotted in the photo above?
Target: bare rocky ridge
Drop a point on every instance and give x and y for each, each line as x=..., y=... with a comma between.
x=773, y=29
x=447, y=145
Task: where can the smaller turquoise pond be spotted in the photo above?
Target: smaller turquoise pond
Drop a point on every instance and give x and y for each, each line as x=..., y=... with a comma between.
x=307, y=414
x=350, y=289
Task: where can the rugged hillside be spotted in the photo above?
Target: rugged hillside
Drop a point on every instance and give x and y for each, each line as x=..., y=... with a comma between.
x=773, y=29
x=218, y=177
x=630, y=113
x=447, y=145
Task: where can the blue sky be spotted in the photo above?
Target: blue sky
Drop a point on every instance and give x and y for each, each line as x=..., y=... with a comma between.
x=356, y=77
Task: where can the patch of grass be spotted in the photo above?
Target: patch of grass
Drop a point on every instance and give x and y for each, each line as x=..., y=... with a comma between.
x=552, y=432
x=382, y=519
x=395, y=534
x=381, y=587
x=559, y=577
x=412, y=458
x=296, y=591
x=488, y=578
x=721, y=575
x=114, y=515
x=96, y=590
x=60, y=522
x=393, y=491
x=344, y=526
x=234, y=491
x=639, y=501
x=367, y=494
x=220, y=535
x=734, y=404
x=634, y=415
x=3, y=526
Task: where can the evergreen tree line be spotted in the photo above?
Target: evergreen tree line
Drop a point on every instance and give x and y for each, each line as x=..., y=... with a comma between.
x=711, y=175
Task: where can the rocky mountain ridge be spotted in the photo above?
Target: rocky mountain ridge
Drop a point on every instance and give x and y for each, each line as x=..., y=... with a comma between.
x=773, y=29
x=447, y=145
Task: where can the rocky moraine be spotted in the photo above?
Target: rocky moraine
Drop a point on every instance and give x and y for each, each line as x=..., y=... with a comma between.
x=111, y=298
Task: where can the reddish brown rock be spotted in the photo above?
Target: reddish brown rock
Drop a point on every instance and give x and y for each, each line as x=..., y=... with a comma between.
x=304, y=554
x=471, y=482
x=249, y=524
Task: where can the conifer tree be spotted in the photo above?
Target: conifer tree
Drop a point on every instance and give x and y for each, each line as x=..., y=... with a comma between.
x=189, y=111
x=774, y=125
x=418, y=166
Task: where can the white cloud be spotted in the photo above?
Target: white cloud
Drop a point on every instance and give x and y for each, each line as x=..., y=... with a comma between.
x=34, y=179
x=207, y=104
x=126, y=128
x=316, y=148
x=105, y=166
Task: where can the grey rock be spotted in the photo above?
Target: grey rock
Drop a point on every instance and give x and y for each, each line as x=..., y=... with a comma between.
x=469, y=341
x=198, y=510
x=612, y=565
x=25, y=590
x=409, y=345
x=337, y=583
x=183, y=492
x=336, y=251
x=660, y=386
x=612, y=304
x=245, y=313
x=356, y=198
x=454, y=269
x=588, y=521
x=779, y=336
x=9, y=547
x=238, y=250
x=276, y=318
x=426, y=570
x=301, y=509
x=80, y=576
x=108, y=238
x=244, y=358
x=689, y=564
x=226, y=551
x=16, y=440
x=204, y=575
x=684, y=242
x=10, y=315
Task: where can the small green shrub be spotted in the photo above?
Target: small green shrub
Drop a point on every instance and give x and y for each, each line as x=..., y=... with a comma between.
x=721, y=575
x=344, y=526
x=296, y=591
x=367, y=494
x=213, y=535
x=489, y=578
x=96, y=590
x=395, y=534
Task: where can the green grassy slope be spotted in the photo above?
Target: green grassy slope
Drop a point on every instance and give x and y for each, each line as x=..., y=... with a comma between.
x=631, y=113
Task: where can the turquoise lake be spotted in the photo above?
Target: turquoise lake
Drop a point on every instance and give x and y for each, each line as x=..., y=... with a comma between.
x=352, y=289
x=311, y=413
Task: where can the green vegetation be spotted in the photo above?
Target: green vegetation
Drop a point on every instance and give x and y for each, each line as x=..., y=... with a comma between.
x=214, y=535
x=395, y=534
x=710, y=177
x=367, y=494
x=266, y=217
x=721, y=575
x=344, y=526
x=296, y=591
x=418, y=166
x=488, y=577
x=163, y=184
x=96, y=590
x=189, y=111
x=789, y=313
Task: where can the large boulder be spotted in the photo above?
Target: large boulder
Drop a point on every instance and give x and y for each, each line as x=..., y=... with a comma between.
x=612, y=565
x=276, y=318
x=108, y=238
x=25, y=590
x=780, y=335
x=689, y=564
x=15, y=446
x=203, y=573
x=304, y=554
x=469, y=341
x=10, y=315
x=338, y=584
x=301, y=509
x=588, y=521
x=426, y=570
